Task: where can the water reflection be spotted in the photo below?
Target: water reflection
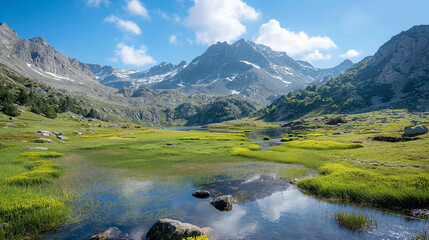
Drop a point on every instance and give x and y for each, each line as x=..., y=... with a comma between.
x=268, y=208
x=278, y=203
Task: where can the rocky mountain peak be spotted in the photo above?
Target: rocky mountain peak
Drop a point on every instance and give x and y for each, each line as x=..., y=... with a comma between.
x=39, y=40
x=6, y=30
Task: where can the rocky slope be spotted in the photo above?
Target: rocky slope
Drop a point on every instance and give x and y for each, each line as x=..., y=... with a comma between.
x=244, y=68
x=35, y=61
x=118, y=78
x=397, y=76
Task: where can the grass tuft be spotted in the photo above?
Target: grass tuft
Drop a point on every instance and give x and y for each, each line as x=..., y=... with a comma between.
x=319, y=145
x=352, y=221
x=423, y=235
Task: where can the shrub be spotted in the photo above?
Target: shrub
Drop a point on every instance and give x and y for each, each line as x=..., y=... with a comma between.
x=266, y=138
x=336, y=120
x=352, y=221
x=301, y=136
x=39, y=141
x=10, y=109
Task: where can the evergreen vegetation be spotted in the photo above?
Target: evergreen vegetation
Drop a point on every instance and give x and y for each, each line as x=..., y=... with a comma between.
x=40, y=99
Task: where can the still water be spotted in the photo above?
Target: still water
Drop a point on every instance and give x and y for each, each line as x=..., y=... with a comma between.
x=267, y=207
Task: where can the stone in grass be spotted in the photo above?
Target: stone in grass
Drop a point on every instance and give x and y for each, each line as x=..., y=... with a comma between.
x=416, y=130
x=4, y=225
x=13, y=119
x=222, y=203
x=201, y=194
x=109, y=233
x=168, y=229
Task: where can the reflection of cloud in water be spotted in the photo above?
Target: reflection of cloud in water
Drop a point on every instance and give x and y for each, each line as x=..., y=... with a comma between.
x=254, y=178
x=138, y=233
x=130, y=187
x=233, y=225
x=274, y=206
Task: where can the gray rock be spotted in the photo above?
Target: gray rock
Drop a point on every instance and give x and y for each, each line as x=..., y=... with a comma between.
x=416, y=130
x=13, y=119
x=61, y=137
x=21, y=111
x=112, y=126
x=10, y=124
x=4, y=225
x=47, y=140
x=168, y=229
x=78, y=133
x=371, y=122
x=222, y=203
x=45, y=135
x=201, y=194
x=61, y=141
x=2, y=116
x=109, y=233
x=337, y=133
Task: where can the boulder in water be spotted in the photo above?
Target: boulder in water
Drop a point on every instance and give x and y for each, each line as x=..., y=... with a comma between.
x=222, y=203
x=168, y=229
x=109, y=233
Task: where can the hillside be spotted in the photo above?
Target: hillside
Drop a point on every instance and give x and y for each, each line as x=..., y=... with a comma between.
x=397, y=76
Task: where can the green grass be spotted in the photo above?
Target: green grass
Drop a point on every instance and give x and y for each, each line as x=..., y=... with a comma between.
x=29, y=202
x=294, y=172
x=352, y=221
x=344, y=166
x=423, y=235
x=196, y=238
x=318, y=145
x=364, y=186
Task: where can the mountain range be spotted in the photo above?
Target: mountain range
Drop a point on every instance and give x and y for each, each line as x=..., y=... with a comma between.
x=244, y=68
x=227, y=81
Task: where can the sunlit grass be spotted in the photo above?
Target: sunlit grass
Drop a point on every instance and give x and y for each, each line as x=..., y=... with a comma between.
x=364, y=186
x=353, y=221
x=294, y=172
x=318, y=145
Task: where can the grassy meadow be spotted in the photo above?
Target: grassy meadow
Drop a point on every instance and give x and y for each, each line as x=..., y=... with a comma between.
x=38, y=179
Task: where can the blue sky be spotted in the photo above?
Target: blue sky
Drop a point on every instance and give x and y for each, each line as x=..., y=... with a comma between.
x=136, y=34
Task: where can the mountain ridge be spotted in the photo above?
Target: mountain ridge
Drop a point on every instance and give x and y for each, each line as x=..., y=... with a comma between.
x=397, y=76
x=245, y=68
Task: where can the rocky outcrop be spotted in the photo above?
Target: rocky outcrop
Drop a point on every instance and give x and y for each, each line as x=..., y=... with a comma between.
x=168, y=229
x=415, y=131
x=109, y=233
x=222, y=203
x=201, y=194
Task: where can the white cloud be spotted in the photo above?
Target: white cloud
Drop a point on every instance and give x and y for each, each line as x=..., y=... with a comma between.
x=124, y=25
x=174, y=17
x=137, y=8
x=96, y=3
x=173, y=39
x=350, y=54
x=281, y=39
x=219, y=20
x=131, y=56
x=316, y=55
